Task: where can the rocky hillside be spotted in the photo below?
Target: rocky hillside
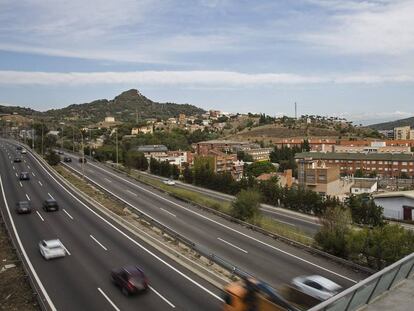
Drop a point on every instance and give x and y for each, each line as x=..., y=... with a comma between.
x=124, y=107
x=390, y=125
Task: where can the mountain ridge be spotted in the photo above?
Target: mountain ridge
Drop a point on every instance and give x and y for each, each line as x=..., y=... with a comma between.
x=391, y=124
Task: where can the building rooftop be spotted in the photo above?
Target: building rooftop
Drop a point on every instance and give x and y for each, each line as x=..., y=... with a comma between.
x=406, y=194
x=152, y=148
x=356, y=156
x=364, y=183
x=218, y=141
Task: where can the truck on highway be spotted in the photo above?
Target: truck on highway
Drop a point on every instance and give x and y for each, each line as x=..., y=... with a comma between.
x=253, y=295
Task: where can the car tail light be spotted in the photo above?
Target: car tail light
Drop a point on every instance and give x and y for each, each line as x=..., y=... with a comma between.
x=130, y=285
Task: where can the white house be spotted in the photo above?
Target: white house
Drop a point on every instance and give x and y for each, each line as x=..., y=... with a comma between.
x=364, y=186
x=397, y=205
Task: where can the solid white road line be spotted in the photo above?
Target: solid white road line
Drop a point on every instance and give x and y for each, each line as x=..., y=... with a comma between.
x=167, y=212
x=29, y=263
x=99, y=243
x=27, y=196
x=222, y=225
x=129, y=238
x=20, y=183
x=67, y=214
x=40, y=215
x=40, y=183
x=161, y=296
x=133, y=193
x=236, y=247
x=109, y=300
x=66, y=250
x=50, y=196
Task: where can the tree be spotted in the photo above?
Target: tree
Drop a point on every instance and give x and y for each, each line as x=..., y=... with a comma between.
x=243, y=156
x=333, y=234
x=136, y=160
x=52, y=157
x=365, y=211
x=258, y=168
x=188, y=175
x=246, y=206
x=359, y=173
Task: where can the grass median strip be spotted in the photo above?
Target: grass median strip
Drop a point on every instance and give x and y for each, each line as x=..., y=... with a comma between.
x=265, y=222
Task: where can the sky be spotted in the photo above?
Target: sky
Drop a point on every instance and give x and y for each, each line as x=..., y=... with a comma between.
x=349, y=58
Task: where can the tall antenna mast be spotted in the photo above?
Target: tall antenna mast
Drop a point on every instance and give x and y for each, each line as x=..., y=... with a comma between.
x=296, y=111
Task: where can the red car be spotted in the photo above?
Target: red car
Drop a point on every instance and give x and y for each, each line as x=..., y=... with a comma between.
x=130, y=279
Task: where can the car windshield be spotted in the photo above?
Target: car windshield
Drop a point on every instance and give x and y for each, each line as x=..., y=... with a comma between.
x=51, y=203
x=24, y=204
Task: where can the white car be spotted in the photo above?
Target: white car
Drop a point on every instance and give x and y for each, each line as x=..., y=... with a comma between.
x=24, y=151
x=316, y=286
x=169, y=182
x=52, y=249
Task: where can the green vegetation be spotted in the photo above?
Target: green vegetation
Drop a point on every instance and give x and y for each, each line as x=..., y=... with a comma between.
x=246, y=207
x=137, y=160
x=257, y=168
x=374, y=247
x=52, y=158
x=164, y=168
x=365, y=211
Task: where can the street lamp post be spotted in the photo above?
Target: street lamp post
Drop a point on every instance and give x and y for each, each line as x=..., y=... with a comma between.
x=116, y=139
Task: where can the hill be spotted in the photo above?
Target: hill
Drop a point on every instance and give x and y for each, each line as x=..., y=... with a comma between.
x=8, y=110
x=124, y=107
x=390, y=125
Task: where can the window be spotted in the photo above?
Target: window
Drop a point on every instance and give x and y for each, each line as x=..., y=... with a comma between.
x=404, y=163
x=313, y=284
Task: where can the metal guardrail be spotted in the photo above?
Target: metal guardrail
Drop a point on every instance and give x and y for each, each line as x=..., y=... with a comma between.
x=365, y=291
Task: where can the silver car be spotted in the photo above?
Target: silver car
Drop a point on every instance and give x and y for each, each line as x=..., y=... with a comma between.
x=316, y=286
x=52, y=249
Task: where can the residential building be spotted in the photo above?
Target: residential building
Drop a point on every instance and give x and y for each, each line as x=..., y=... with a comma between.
x=148, y=129
x=259, y=154
x=402, y=132
x=173, y=157
x=320, y=145
x=364, y=186
x=381, y=164
x=285, y=179
x=375, y=147
x=389, y=134
x=153, y=150
x=109, y=119
x=204, y=147
x=224, y=163
x=397, y=205
x=317, y=176
x=182, y=119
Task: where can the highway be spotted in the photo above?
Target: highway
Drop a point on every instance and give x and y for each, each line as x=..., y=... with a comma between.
x=95, y=245
x=271, y=260
x=307, y=224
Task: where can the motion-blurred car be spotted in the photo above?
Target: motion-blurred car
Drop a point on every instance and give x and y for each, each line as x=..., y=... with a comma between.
x=19, y=148
x=316, y=286
x=17, y=160
x=169, y=182
x=60, y=152
x=67, y=159
x=50, y=205
x=24, y=176
x=130, y=279
x=24, y=151
x=23, y=207
x=80, y=160
x=52, y=249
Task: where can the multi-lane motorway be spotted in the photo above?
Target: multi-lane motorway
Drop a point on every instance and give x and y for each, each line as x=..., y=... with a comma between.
x=271, y=260
x=95, y=245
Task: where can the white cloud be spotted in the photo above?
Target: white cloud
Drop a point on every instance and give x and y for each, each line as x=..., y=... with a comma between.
x=375, y=117
x=188, y=78
x=384, y=28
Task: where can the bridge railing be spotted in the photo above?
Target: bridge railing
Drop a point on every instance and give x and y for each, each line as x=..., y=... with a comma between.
x=365, y=291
